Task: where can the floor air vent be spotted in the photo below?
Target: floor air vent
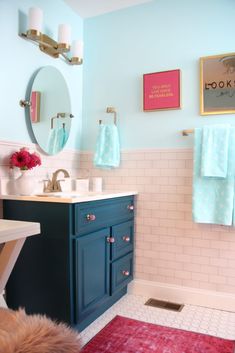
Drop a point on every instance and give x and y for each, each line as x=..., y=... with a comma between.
x=162, y=304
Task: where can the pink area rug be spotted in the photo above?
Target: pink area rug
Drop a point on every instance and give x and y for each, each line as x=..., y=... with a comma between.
x=124, y=335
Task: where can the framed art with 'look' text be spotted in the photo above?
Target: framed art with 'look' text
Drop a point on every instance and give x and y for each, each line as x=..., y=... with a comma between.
x=161, y=90
x=217, y=84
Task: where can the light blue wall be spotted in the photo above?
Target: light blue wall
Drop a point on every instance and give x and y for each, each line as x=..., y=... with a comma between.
x=119, y=48
x=161, y=35
x=20, y=59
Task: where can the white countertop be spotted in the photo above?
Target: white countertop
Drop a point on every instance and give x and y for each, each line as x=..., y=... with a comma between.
x=13, y=230
x=71, y=197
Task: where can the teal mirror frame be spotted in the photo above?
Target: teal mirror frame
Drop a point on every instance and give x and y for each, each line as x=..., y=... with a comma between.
x=49, y=114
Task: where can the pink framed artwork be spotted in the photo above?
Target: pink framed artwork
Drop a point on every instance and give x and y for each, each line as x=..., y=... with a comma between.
x=35, y=106
x=161, y=90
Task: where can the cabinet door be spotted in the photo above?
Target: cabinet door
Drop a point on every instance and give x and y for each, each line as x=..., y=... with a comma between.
x=91, y=272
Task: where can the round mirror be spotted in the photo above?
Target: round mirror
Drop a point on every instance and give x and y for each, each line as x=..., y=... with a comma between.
x=50, y=110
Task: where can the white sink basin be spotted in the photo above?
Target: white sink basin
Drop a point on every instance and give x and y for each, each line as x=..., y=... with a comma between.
x=59, y=194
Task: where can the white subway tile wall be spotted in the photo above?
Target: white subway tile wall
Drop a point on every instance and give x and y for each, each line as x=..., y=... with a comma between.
x=170, y=247
x=67, y=159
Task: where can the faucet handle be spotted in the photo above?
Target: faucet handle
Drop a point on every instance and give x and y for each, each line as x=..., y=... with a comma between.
x=47, y=185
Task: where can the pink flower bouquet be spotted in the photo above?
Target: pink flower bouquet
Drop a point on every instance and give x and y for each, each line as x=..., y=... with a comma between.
x=24, y=159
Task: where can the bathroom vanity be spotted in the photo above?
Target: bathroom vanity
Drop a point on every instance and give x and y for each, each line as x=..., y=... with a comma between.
x=83, y=260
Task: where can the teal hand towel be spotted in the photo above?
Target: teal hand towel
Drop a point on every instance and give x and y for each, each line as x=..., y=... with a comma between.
x=57, y=139
x=65, y=137
x=214, y=161
x=213, y=198
x=107, y=154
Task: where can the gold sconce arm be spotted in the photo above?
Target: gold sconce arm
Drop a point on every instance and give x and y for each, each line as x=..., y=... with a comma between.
x=50, y=47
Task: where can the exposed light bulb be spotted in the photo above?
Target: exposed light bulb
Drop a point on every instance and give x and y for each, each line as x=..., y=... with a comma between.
x=35, y=19
x=64, y=34
x=77, y=49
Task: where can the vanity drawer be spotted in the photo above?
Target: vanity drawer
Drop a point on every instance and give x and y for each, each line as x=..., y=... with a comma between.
x=90, y=216
x=122, y=235
x=122, y=272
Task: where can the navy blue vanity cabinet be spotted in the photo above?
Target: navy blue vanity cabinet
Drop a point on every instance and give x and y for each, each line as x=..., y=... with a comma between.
x=103, y=239
x=41, y=278
x=80, y=264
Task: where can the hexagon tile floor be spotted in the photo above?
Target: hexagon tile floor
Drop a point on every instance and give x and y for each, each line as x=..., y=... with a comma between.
x=193, y=318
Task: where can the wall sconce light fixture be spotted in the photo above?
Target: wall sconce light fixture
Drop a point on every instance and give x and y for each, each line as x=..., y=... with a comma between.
x=49, y=45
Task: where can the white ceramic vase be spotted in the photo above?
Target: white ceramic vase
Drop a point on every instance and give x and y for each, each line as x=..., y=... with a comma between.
x=25, y=184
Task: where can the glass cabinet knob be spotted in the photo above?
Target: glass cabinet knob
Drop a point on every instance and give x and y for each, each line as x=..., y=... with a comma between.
x=111, y=240
x=126, y=238
x=125, y=273
x=90, y=217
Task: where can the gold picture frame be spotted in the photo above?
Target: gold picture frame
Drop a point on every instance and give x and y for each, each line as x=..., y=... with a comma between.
x=217, y=84
x=162, y=90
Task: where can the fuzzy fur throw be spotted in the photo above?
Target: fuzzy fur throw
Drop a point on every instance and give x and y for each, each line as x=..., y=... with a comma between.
x=21, y=333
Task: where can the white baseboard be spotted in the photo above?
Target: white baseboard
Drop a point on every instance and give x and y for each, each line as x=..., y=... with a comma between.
x=183, y=295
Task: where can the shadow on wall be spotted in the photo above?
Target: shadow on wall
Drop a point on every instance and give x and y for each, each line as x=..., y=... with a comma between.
x=22, y=21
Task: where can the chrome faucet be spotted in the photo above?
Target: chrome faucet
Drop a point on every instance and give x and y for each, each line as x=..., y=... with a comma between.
x=53, y=185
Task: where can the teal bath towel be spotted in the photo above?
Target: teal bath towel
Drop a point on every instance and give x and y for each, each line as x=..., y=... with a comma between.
x=107, y=154
x=213, y=197
x=214, y=161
